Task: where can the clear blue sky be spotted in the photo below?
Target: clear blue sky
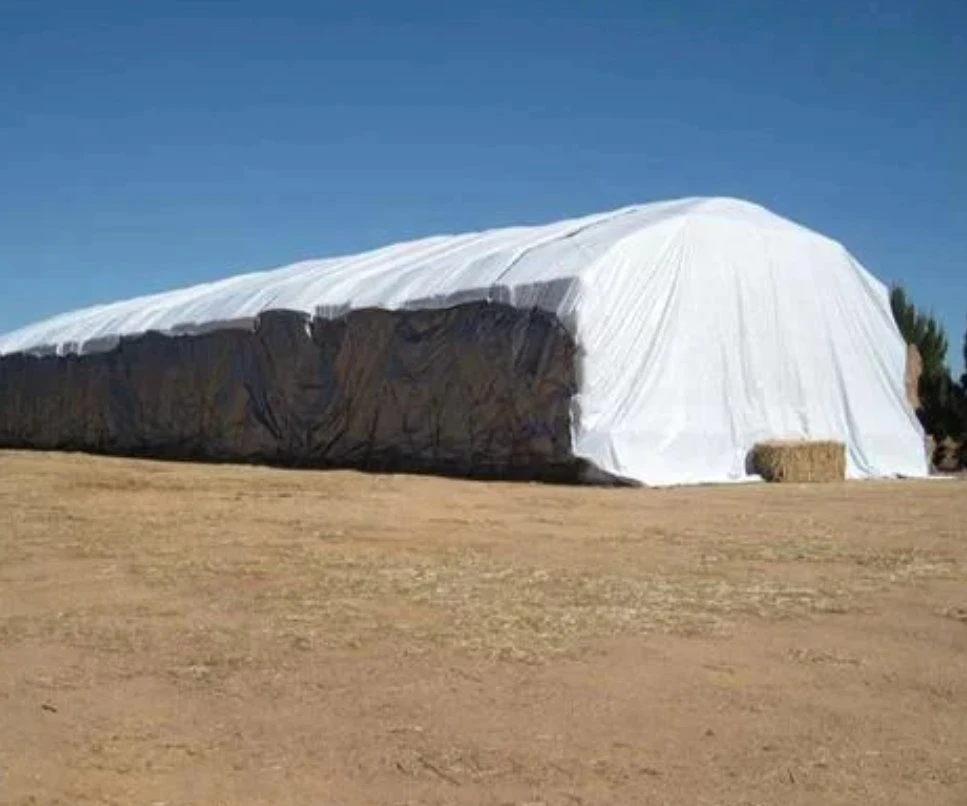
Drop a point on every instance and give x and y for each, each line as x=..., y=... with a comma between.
x=149, y=145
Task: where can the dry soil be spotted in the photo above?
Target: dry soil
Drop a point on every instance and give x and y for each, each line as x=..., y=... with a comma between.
x=187, y=634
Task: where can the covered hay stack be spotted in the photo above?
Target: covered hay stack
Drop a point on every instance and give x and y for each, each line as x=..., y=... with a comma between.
x=798, y=461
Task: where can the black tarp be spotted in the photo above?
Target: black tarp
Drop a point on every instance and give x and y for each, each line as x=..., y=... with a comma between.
x=479, y=389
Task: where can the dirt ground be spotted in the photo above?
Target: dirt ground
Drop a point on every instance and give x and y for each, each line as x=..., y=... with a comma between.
x=185, y=634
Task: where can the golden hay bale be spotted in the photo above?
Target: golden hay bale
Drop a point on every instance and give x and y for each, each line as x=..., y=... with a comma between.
x=797, y=461
x=914, y=369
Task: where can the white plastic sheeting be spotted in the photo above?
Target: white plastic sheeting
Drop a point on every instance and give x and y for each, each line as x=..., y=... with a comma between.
x=704, y=325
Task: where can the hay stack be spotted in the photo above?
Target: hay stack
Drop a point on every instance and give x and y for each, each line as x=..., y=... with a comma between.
x=799, y=461
x=914, y=369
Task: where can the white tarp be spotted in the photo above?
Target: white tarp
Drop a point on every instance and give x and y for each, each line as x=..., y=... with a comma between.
x=704, y=325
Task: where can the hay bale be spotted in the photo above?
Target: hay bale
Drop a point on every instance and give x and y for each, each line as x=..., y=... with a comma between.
x=798, y=461
x=914, y=369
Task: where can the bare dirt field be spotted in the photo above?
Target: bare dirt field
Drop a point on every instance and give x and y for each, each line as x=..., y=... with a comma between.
x=185, y=634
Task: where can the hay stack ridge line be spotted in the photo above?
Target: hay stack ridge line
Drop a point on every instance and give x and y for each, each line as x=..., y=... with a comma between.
x=799, y=461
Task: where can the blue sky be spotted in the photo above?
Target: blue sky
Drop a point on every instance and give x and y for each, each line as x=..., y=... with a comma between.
x=149, y=145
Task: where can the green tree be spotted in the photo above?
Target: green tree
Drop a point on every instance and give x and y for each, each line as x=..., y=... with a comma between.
x=963, y=409
x=963, y=378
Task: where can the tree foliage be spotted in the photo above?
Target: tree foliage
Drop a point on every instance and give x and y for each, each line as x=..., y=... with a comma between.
x=963, y=378
x=963, y=409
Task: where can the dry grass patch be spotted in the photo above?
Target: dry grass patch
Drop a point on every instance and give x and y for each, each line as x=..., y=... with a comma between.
x=470, y=601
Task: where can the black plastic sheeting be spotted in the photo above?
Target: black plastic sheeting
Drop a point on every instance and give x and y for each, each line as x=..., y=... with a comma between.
x=479, y=389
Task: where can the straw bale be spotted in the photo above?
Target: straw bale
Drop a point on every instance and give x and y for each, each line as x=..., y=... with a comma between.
x=800, y=461
x=914, y=369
